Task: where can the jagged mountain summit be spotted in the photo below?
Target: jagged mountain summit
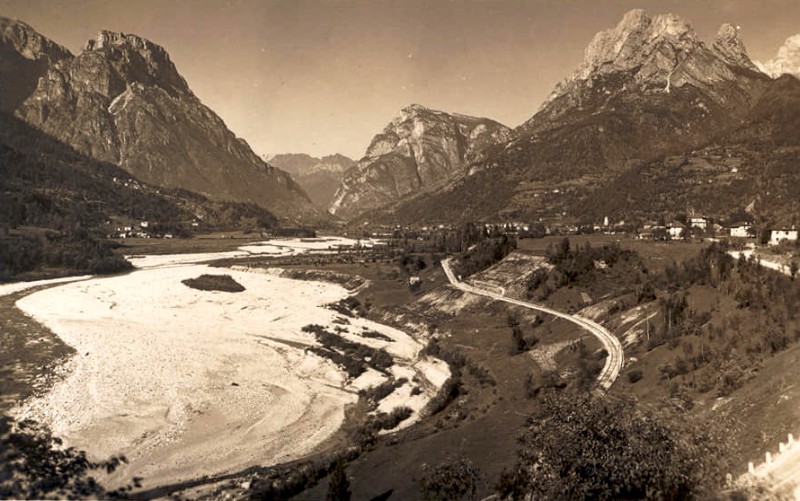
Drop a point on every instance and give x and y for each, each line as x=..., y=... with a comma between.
x=122, y=100
x=786, y=61
x=647, y=88
x=318, y=176
x=419, y=151
x=656, y=59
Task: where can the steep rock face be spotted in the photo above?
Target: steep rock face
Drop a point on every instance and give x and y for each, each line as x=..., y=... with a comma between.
x=123, y=101
x=787, y=61
x=319, y=177
x=419, y=151
x=25, y=56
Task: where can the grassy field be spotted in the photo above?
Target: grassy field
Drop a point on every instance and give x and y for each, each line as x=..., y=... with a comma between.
x=213, y=242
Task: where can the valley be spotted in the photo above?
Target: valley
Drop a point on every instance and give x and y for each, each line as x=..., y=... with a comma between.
x=596, y=301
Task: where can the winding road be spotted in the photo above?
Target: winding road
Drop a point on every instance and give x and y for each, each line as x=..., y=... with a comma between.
x=615, y=358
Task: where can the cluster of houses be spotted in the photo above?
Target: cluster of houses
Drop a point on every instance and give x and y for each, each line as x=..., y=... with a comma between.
x=675, y=230
x=142, y=230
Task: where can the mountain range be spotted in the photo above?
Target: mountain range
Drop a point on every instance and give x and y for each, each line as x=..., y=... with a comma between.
x=623, y=136
x=653, y=121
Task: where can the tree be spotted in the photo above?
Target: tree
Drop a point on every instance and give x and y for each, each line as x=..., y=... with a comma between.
x=581, y=447
x=338, y=485
x=519, y=344
x=451, y=481
x=33, y=465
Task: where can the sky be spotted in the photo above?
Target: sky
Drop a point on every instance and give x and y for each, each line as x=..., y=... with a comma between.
x=324, y=76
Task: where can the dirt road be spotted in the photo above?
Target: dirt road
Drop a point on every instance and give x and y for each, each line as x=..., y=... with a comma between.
x=615, y=358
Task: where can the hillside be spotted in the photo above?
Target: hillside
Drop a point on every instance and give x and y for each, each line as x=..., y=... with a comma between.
x=58, y=206
x=123, y=101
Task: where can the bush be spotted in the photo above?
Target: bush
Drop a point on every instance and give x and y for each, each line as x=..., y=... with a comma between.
x=338, y=484
x=447, y=393
x=108, y=265
x=484, y=255
x=451, y=481
x=635, y=375
x=352, y=356
x=377, y=393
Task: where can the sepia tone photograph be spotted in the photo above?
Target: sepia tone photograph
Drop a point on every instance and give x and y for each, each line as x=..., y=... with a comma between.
x=400, y=250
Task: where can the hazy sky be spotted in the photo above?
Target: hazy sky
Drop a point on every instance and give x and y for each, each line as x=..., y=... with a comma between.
x=324, y=76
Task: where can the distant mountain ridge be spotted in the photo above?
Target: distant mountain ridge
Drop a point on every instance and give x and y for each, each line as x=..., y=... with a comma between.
x=319, y=177
x=123, y=101
x=419, y=151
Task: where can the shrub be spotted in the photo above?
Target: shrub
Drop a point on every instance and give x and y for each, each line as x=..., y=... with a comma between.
x=338, y=485
x=383, y=390
x=451, y=481
x=635, y=375
x=352, y=356
x=447, y=393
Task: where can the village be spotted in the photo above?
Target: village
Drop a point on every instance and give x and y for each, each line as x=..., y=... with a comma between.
x=682, y=228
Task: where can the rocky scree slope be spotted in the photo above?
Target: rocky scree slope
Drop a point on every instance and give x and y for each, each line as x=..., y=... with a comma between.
x=419, y=151
x=122, y=100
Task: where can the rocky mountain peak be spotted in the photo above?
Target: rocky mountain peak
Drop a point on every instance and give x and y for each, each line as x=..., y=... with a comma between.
x=29, y=43
x=135, y=59
x=419, y=151
x=122, y=100
x=635, y=39
x=787, y=61
x=25, y=56
x=731, y=49
x=656, y=55
x=415, y=108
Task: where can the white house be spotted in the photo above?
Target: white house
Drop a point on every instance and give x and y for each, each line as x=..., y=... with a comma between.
x=698, y=222
x=675, y=230
x=742, y=231
x=778, y=236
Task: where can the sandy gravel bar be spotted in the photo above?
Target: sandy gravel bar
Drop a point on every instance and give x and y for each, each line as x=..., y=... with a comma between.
x=188, y=382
